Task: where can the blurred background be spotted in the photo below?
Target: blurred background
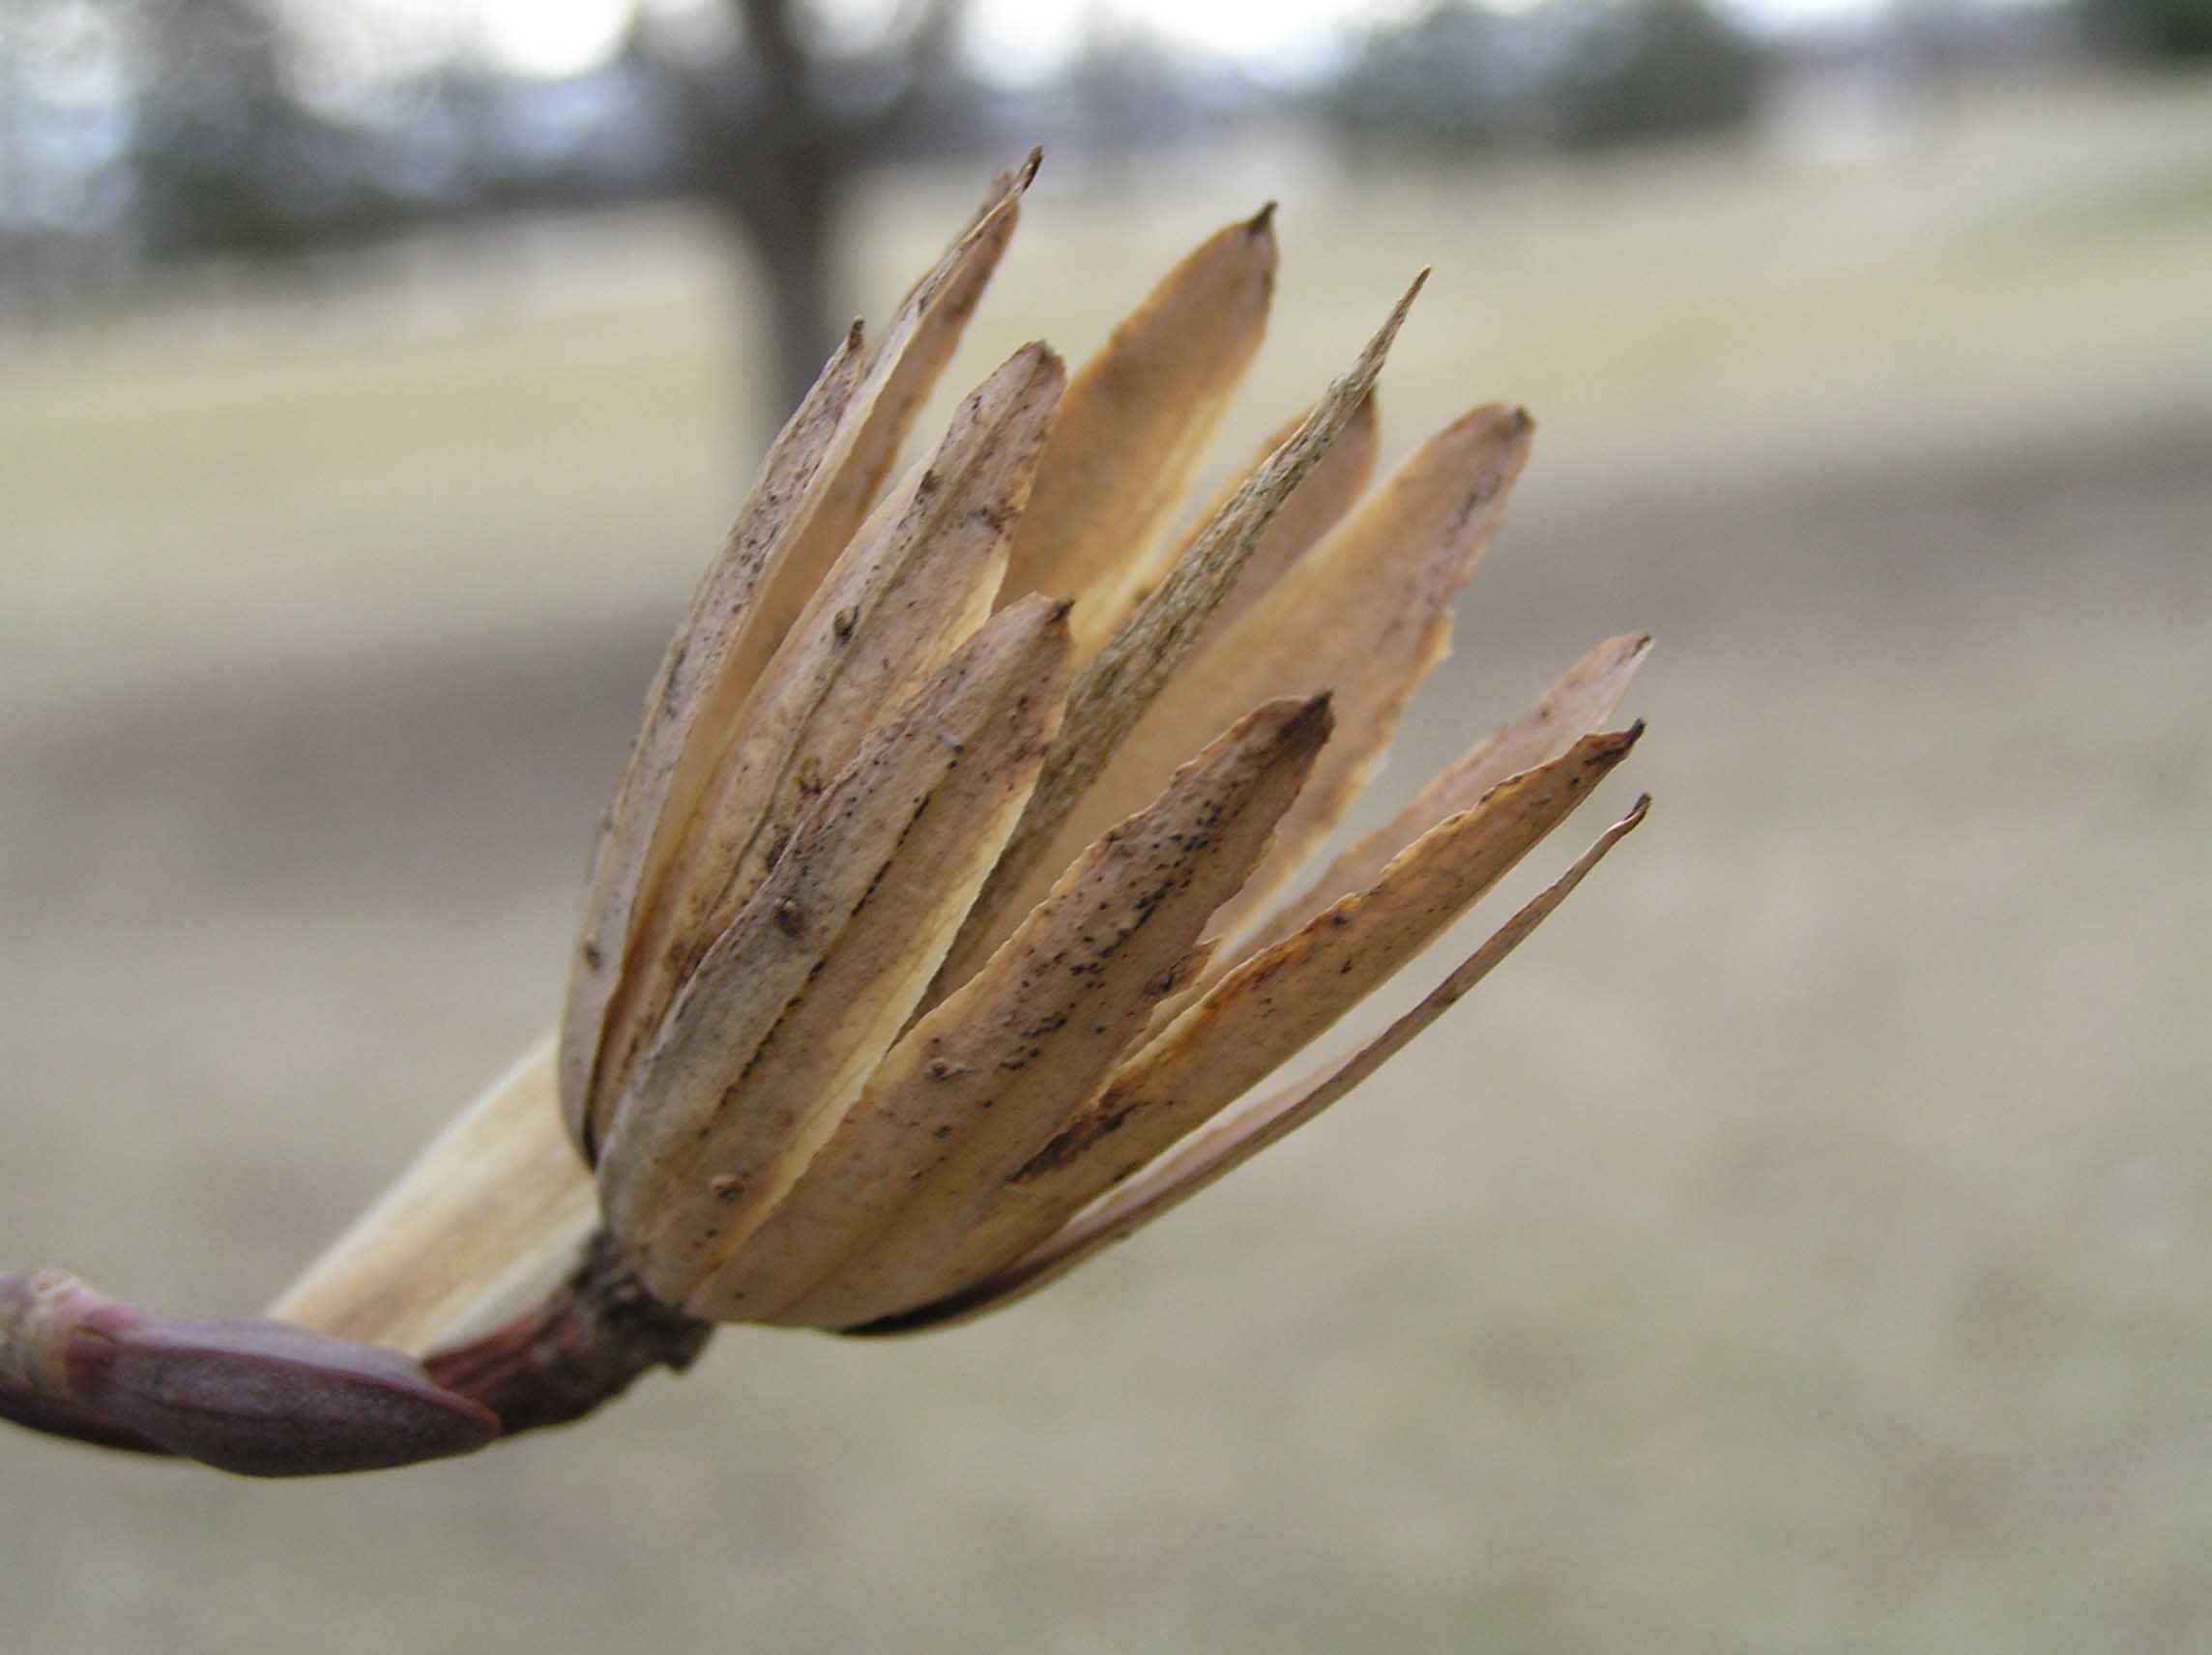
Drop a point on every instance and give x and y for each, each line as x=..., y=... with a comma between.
x=1803, y=1244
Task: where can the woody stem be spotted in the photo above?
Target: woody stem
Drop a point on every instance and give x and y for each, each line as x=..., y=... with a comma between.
x=584, y=1344
x=272, y=1398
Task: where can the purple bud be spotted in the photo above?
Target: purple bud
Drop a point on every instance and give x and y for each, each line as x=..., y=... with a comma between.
x=21, y=1405
x=247, y=1394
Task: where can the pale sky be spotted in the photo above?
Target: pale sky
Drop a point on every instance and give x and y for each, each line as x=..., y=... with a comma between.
x=1014, y=38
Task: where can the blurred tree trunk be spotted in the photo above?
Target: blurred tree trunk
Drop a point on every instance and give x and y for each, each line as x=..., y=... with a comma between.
x=783, y=197
x=774, y=136
x=797, y=245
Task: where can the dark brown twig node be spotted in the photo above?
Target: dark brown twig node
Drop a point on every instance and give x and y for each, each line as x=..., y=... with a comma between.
x=584, y=1344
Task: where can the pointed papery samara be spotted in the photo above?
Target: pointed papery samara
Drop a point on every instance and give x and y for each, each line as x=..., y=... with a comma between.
x=497, y=1192
x=1364, y=615
x=1584, y=698
x=918, y=577
x=973, y=1091
x=1367, y=614
x=1009, y=184
x=1270, y=1009
x=1175, y=1178
x=1113, y=692
x=796, y=1003
x=1136, y=422
x=1330, y=490
x=818, y=479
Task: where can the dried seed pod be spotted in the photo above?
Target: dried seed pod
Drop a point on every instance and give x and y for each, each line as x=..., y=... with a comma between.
x=901, y=949
x=927, y=948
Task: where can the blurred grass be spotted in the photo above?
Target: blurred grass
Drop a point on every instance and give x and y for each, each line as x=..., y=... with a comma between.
x=1799, y=1246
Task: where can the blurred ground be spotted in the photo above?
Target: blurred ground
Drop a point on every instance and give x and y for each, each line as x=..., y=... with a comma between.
x=1800, y=1246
